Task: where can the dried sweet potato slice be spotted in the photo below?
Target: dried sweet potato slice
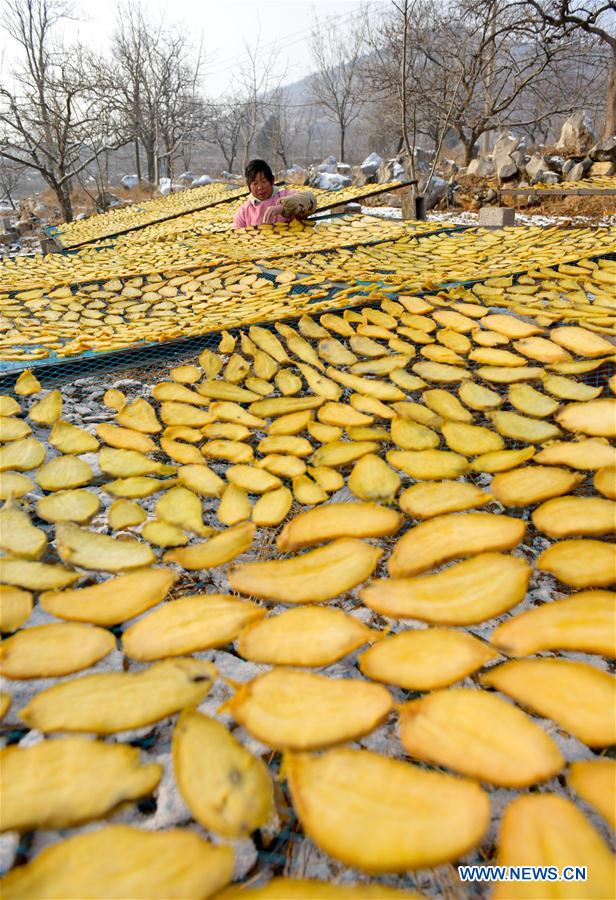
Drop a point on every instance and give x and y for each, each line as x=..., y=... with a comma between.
x=585, y=622
x=117, y=701
x=34, y=575
x=567, y=516
x=216, y=551
x=18, y=536
x=340, y=453
x=469, y=592
x=335, y=520
x=443, y=817
x=292, y=710
x=447, y=537
x=47, y=651
x=434, y=498
x=272, y=507
x=139, y=416
x=581, y=341
x=68, y=506
x=15, y=607
x=549, y=830
x=425, y=660
x=587, y=454
x=532, y=484
x=173, y=863
x=188, y=625
x=596, y=417
x=480, y=735
x=182, y=508
x=409, y=435
x=595, y=782
x=580, y=563
x=64, y=473
x=69, y=438
x=523, y=428
x=92, y=550
x=576, y=695
x=22, y=455
x=37, y=791
x=526, y=399
x=310, y=578
x=471, y=439
x=373, y=480
x=227, y=789
x=502, y=460
x=447, y=405
x=48, y=410
x=306, y=636
x=568, y=389
x=428, y=465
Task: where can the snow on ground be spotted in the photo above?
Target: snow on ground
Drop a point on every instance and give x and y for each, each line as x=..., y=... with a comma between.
x=465, y=217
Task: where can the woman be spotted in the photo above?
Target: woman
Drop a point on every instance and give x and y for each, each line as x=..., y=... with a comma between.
x=263, y=206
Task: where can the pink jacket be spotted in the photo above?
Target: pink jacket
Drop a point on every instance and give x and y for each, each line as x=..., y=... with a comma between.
x=252, y=211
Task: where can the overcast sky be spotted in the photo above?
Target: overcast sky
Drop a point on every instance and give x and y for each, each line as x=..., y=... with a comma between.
x=225, y=26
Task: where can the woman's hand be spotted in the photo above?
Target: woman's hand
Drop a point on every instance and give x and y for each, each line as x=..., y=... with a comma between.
x=271, y=212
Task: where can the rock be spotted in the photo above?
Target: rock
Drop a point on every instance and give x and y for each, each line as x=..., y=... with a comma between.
x=576, y=172
x=129, y=182
x=164, y=186
x=436, y=191
x=40, y=210
x=371, y=164
x=555, y=163
x=106, y=199
x=604, y=151
x=549, y=177
x=567, y=166
x=602, y=168
x=480, y=167
x=330, y=182
x=392, y=170
x=576, y=135
x=201, y=180
x=587, y=163
x=329, y=165
x=344, y=169
x=502, y=155
x=187, y=178
x=536, y=168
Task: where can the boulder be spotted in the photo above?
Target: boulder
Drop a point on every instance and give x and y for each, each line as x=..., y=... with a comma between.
x=536, y=168
x=164, y=186
x=555, y=163
x=576, y=172
x=344, y=169
x=567, y=166
x=328, y=166
x=392, y=170
x=371, y=164
x=502, y=155
x=548, y=177
x=436, y=191
x=129, y=182
x=480, y=167
x=602, y=168
x=186, y=178
x=576, y=135
x=201, y=180
x=604, y=151
x=330, y=181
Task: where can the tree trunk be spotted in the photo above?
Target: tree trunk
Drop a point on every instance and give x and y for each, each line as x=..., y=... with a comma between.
x=610, y=108
x=469, y=146
x=149, y=151
x=342, y=136
x=63, y=194
x=137, y=159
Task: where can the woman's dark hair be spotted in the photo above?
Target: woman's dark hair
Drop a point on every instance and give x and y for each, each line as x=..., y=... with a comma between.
x=258, y=167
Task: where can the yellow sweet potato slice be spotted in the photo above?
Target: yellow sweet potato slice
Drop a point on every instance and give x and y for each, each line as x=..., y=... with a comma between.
x=210, y=362
x=233, y=451
x=310, y=578
x=470, y=439
x=596, y=417
x=335, y=520
x=268, y=342
x=35, y=576
x=227, y=789
x=234, y=506
x=18, y=536
x=323, y=387
x=281, y=465
x=64, y=473
x=335, y=353
x=410, y=435
x=117, y=701
x=189, y=625
x=491, y=356
x=480, y=735
x=306, y=636
x=226, y=411
x=443, y=817
x=447, y=537
x=22, y=455
x=595, y=782
x=342, y=414
x=15, y=607
x=369, y=387
x=428, y=465
x=406, y=381
x=177, y=393
x=13, y=484
x=130, y=463
x=605, y=481
x=469, y=592
x=526, y=399
x=220, y=549
x=581, y=341
x=440, y=372
x=425, y=660
x=272, y=507
x=548, y=830
x=502, y=460
x=9, y=406
x=182, y=508
x=292, y=710
x=139, y=416
x=125, y=438
x=424, y=500
x=179, y=451
x=173, y=863
x=69, y=438
x=47, y=651
x=37, y=791
x=13, y=429
x=568, y=389
x=201, y=479
x=587, y=454
x=523, y=428
x=509, y=374
x=447, y=405
x=252, y=479
x=542, y=350
x=416, y=412
x=222, y=390
x=373, y=480
x=567, y=516
x=27, y=384
x=340, y=453
x=532, y=484
x=367, y=433
x=585, y=622
x=510, y=326
x=283, y=443
x=476, y=396
x=113, y=601
x=186, y=374
x=114, y=399
x=328, y=479
x=577, y=696
x=92, y=550
x=307, y=492
x=124, y=514
x=173, y=413
x=140, y=486
x=162, y=534
x=236, y=369
x=580, y=563
x=48, y=410
x=280, y=406
x=292, y=423
x=308, y=889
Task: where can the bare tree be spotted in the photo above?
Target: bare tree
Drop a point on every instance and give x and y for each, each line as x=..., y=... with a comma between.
x=51, y=112
x=257, y=80
x=593, y=17
x=224, y=128
x=11, y=175
x=336, y=84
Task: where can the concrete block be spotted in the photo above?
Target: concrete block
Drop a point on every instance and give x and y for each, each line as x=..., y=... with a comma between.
x=496, y=216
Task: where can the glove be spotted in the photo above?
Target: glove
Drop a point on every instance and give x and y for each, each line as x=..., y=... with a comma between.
x=299, y=205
